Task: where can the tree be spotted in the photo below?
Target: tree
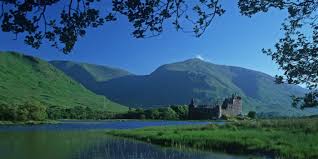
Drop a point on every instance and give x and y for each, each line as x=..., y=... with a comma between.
x=27, y=111
x=29, y=18
x=181, y=110
x=55, y=112
x=296, y=52
x=152, y=114
x=8, y=112
x=168, y=114
x=36, y=110
x=22, y=113
x=78, y=112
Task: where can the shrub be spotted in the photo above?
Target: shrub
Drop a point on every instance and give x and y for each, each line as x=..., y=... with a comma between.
x=224, y=117
x=252, y=114
x=160, y=133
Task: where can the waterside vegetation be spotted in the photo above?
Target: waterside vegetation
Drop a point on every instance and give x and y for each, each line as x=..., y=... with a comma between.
x=277, y=138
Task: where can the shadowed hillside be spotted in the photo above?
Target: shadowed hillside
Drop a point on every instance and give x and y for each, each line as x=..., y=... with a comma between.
x=88, y=74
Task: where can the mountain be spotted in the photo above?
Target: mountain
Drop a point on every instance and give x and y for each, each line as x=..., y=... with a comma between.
x=25, y=78
x=208, y=83
x=89, y=74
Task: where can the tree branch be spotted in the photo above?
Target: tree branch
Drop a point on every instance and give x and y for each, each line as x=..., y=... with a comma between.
x=70, y=8
x=2, y=10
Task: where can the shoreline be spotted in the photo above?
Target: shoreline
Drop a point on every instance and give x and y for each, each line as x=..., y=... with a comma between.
x=31, y=122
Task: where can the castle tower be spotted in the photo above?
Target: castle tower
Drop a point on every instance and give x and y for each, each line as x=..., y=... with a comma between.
x=237, y=105
x=191, y=107
x=232, y=106
x=219, y=109
x=192, y=103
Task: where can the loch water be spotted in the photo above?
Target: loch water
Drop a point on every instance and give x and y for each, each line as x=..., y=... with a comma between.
x=88, y=140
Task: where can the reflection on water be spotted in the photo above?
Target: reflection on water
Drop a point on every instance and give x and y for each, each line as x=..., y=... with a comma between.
x=88, y=144
x=115, y=148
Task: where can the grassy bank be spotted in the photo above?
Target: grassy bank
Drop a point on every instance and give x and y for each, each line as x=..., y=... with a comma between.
x=31, y=122
x=280, y=138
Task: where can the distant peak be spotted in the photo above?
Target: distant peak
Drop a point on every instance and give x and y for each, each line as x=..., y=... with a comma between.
x=195, y=60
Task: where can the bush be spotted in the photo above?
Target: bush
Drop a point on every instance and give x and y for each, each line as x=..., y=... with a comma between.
x=224, y=117
x=252, y=114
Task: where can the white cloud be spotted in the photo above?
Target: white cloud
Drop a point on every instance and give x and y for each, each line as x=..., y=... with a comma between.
x=200, y=57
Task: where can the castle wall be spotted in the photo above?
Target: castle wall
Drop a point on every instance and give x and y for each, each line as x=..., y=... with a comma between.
x=204, y=113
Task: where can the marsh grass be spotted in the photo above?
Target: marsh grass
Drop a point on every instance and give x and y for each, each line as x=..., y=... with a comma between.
x=279, y=138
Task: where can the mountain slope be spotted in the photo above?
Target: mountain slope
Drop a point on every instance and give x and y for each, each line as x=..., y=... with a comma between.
x=89, y=74
x=177, y=83
x=25, y=78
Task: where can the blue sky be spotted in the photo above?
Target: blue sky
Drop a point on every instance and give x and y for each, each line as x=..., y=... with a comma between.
x=231, y=40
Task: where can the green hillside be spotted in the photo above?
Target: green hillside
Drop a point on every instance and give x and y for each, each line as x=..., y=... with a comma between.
x=89, y=74
x=25, y=78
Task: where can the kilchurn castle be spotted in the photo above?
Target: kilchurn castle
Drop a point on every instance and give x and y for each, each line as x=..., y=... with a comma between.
x=231, y=106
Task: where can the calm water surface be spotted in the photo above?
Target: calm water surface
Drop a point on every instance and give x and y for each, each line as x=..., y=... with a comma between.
x=87, y=140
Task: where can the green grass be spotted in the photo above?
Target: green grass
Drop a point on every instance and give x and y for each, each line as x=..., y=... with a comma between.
x=26, y=78
x=284, y=138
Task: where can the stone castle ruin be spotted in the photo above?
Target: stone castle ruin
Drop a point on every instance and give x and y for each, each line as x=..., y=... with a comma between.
x=231, y=106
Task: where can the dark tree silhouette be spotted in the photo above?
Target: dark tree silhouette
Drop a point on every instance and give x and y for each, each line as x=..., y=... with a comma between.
x=73, y=17
x=297, y=51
